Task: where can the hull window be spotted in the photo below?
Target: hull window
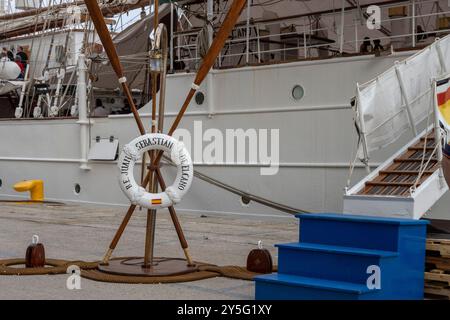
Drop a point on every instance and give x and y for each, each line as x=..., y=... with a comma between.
x=77, y=188
x=297, y=92
x=199, y=98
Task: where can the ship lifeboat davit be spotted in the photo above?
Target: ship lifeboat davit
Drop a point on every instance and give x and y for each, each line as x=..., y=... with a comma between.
x=9, y=70
x=446, y=164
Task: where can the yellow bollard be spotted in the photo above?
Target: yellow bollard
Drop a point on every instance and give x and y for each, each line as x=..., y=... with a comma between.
x=36, y=188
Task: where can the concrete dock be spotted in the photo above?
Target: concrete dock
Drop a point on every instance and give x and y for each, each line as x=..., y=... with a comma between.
x=83, y=232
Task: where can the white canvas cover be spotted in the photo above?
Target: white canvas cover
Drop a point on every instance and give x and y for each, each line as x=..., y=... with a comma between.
x=8, y=86
x=131, y=41
x=380, y=104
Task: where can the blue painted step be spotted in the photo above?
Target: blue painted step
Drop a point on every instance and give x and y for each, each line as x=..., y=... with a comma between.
x=331, y=259
x=291, y=287
x=358, y=231
x=330, y=262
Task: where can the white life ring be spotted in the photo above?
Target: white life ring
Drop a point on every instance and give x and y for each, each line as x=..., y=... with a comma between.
x=179, y=155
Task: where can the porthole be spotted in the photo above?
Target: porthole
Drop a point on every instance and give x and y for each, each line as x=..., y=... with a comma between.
x=298, y=92
x=199, y=98
x=245, y=201
x=77, y=188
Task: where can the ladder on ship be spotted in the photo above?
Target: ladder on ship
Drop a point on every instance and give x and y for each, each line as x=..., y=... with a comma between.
x=398, y=101
x=403, y=173
x=405, y=185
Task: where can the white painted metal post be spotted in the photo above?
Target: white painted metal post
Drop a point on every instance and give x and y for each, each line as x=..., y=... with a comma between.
x=437, y=133
x=356, y=38
x=441, y=57
x=305, y=52
x=171, y=37
x=362, y=127
x=54, y=110
x=209, y=77
x=258, y=43
x=82, y=112
x=341, y=44
x=405, y=98
x=210, y=17
x=413, y=23
x=37, y=111
x=19, y=109
x=247, y=41
x=179, y=39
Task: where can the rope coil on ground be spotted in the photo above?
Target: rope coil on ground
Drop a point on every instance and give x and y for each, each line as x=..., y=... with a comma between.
x=89, y=270
x=53, y=266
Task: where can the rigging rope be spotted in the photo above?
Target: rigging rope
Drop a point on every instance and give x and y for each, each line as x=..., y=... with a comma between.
x=251, y=197
x=89, y=270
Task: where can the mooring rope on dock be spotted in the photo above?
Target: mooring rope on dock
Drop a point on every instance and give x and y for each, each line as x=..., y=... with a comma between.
x=53, y=266
x=89, y=270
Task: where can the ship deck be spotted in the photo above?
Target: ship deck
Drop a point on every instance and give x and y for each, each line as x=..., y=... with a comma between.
x=83, y=232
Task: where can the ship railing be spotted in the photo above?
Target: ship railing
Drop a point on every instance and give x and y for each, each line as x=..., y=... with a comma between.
x=409, y=37
x=252, y=43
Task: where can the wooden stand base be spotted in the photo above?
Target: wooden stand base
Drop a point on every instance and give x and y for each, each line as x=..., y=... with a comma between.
x=160, y=267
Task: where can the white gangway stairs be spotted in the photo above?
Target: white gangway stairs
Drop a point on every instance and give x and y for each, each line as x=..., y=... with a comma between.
x=402, y=99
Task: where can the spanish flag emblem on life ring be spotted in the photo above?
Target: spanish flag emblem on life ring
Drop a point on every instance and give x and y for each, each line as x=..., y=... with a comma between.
x=133, y=151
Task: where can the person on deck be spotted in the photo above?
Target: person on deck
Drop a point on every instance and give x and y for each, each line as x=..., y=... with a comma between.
x=23, y=56
x=126, y=109
x=100, y=110
x=18, y=61
x=377, y=46
x=366, y=46
x=8, y=53
x=3, y=57
x=420, y=34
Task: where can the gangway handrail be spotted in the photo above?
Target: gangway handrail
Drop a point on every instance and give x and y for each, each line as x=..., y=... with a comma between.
x=385, y=100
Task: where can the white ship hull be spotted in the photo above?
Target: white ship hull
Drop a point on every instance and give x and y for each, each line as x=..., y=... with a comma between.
x=316, y=135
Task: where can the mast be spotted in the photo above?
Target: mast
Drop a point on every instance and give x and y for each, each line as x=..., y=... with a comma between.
x=151, y=213
x=82, y=111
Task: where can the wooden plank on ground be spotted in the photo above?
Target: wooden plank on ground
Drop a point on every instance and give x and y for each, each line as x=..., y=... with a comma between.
x=437, y=290
x=438, y=277
x=438, y=263
x=439, y=245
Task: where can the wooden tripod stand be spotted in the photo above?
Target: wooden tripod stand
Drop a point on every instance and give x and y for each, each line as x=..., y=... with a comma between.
x=154, y=176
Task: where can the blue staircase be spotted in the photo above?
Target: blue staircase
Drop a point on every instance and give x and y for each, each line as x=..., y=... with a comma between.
x=334, y=252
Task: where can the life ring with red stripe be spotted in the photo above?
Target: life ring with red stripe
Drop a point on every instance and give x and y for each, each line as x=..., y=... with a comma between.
x=133, y=151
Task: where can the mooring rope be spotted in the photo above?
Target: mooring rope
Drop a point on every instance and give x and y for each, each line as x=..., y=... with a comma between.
x=89, y=270
x=251, y=197
x=53, y=266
